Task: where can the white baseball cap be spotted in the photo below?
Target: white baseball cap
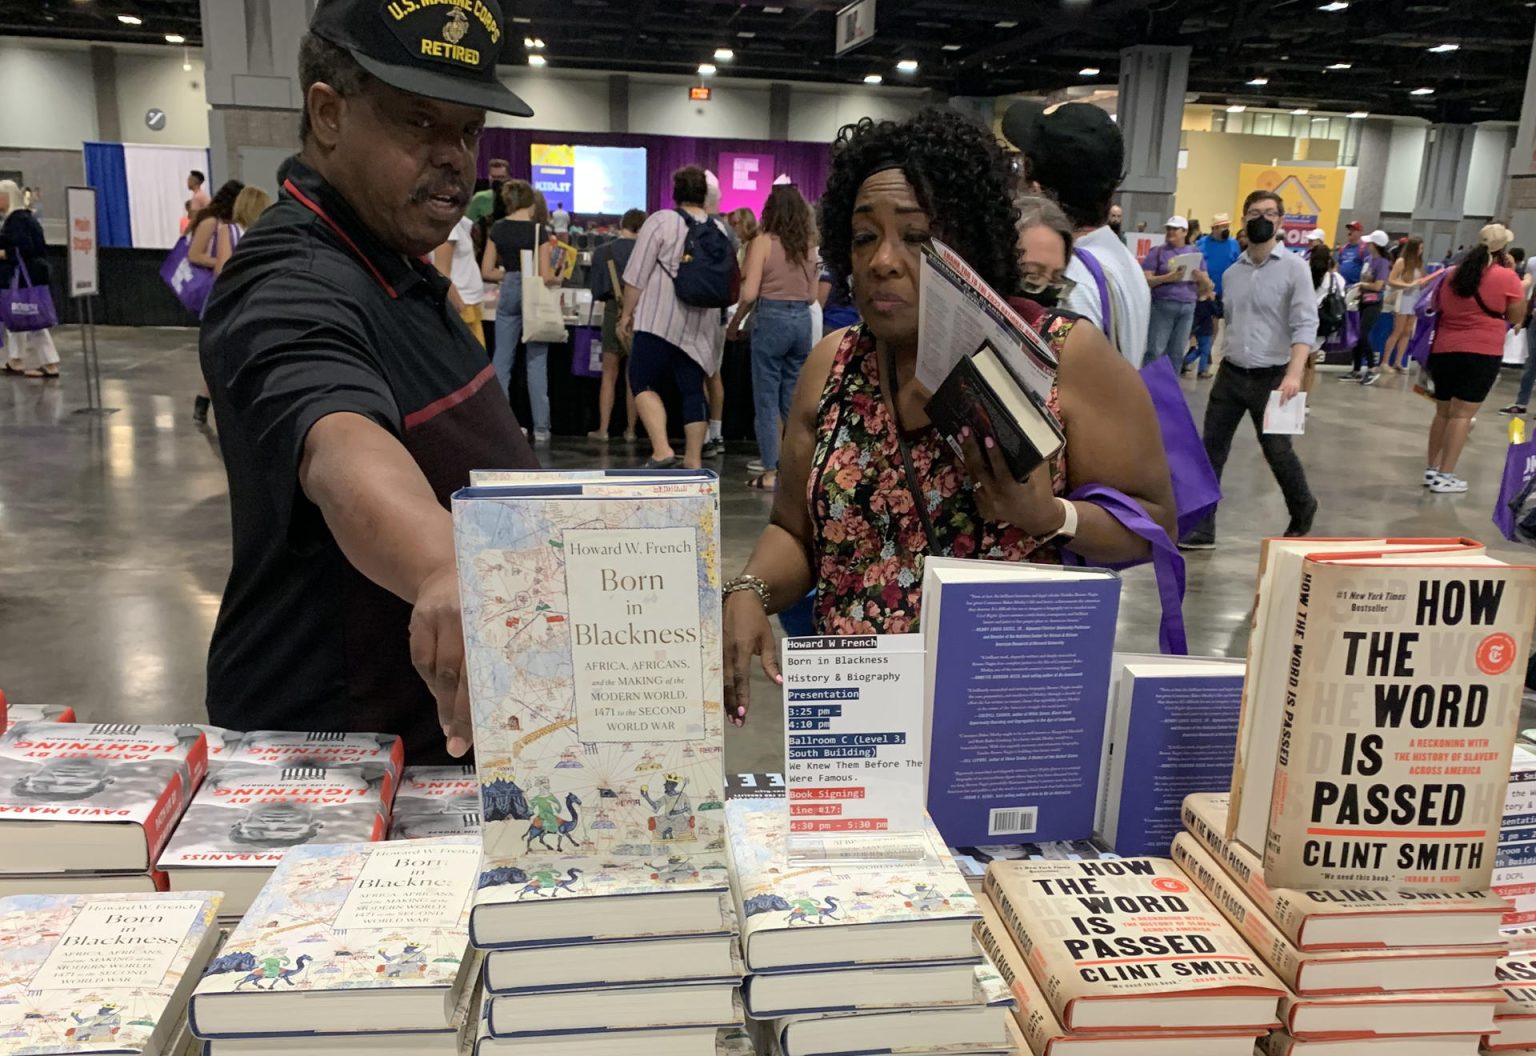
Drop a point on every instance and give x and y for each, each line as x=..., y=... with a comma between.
x=1317, y=234
x=1177, y=221
x=1379, y=238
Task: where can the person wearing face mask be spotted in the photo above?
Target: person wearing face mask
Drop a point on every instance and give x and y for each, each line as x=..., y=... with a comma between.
x=1271, y=312
x=351, y=399
x=1045, y=246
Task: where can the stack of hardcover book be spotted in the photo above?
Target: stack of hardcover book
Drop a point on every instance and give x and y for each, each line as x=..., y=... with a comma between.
x=101, y=973
x=861, y=956
x=87, y=808
x=1392, y=968
x=1123, y=957
x=591, y=607
x=12, y=714
x=436, y=801
x=349, y=948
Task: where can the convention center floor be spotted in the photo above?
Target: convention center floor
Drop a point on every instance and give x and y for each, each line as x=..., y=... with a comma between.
x=115, y=530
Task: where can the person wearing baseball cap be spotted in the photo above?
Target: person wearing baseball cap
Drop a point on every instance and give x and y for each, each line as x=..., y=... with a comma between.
x=1076, y=155
x=1374, y=271
x=351, y=400
x=1352, y=253
x=1175, y=288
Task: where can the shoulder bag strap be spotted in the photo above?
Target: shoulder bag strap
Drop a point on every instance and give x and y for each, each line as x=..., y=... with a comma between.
x=1102, y=282
x=1477, y=295
x=618, y=285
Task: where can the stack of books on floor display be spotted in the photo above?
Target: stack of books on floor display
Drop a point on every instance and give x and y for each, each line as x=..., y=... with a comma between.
x=436, y=801
x=87, y=808
x=101, y=973
x=1361, y=964
x=861, y=956
x=591, y=607
x=1123, y=957
x=358, y=948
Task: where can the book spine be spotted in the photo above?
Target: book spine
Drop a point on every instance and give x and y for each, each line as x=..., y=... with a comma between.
x=1247, y=871
x=1034, y=957
x=167, y=811
x=1257, y=930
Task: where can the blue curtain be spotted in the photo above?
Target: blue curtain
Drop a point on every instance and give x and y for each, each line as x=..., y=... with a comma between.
x=104, y=171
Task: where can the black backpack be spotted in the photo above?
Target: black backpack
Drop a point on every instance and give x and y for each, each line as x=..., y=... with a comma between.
x=707, y=276
x=1331, y=313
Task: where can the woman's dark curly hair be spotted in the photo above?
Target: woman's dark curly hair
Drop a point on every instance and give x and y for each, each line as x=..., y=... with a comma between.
x=960, y=178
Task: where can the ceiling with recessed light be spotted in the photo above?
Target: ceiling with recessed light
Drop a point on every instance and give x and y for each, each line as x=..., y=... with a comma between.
x=1364, y=55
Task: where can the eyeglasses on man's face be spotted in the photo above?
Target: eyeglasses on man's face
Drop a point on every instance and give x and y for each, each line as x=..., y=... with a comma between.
x=1267, y=214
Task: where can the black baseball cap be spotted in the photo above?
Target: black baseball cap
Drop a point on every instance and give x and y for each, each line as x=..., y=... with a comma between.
x=1077, y=144
x=440, y=49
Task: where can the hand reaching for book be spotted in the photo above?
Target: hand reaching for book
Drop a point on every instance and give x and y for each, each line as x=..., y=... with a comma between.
x=1029, y=504
x=437, y=652
x=748, y=633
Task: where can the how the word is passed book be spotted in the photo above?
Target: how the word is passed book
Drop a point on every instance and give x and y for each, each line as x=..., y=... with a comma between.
x=100, y=798
x=1269, y=651
x=95, y=974
x=863, y=913
x=1279, y=1043
x=1515, y=1020
x=591, y=606
x=1348, y=918
x=1364, y=971
x=347, y=939
x=1131, y=944
x=1402, y=703
x=1042, y=1030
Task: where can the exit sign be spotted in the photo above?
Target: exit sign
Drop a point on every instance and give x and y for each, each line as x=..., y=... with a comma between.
x=699, y=95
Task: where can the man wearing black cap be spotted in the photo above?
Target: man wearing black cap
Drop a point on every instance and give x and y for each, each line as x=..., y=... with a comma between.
x=1076, y=155
x=351, y=400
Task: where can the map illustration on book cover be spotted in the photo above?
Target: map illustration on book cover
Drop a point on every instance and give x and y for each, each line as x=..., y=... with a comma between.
x=247, y=814
x=354, y=916
x=97, y=973
x=104, y=773
x=592, y=639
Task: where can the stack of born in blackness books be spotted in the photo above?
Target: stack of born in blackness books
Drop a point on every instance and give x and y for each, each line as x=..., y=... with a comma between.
x=1391, y=972
x=861, y=956
x=591, y=613
x=87, y=808
x=1122, y=957
x=358, y=948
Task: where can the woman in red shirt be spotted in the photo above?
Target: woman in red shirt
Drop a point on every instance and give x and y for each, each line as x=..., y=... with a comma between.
x=1478, y=302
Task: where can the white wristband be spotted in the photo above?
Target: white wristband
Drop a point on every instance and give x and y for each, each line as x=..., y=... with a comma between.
x=1068, y=527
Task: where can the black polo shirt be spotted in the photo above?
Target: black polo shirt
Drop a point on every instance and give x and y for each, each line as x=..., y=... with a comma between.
x=313, y=316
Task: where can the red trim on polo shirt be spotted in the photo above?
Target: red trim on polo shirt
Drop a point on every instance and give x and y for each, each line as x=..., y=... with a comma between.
x=453, y=399
x=314, y=208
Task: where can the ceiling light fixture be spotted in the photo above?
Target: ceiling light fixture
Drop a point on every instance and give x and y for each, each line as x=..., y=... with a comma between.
x=773, y=10
x=1088, y=71
x=745, y=34
x=1442, y=49
x=1360, y=115
x=1236, y=108
x=724, y=54
x=130, y=20
x=1422, y=91
x=950, y=47
x=873, y=78
x=1341, y=66
x=1337, y=5
x=907, y=66
x=1300, y=112
x=1258, y=82
x=1007, y=24
x=537, y=60
x=521, y=21
x=707, y=69
x=175, y=38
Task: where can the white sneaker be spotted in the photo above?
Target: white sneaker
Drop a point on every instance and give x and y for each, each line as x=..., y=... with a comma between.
x=1430, y=476
x=1447, y=483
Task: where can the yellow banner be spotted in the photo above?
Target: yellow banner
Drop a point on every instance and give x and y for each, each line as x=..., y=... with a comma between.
x=560, y=157
x=1312, y=197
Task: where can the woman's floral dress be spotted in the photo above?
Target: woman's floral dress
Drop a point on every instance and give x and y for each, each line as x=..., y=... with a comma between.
x=869, y=537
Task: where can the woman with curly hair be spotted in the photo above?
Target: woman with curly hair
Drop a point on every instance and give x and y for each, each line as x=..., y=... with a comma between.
x=778, y=283
x=867, y=488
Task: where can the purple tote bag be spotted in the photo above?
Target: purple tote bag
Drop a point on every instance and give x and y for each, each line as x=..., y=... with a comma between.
x=190, y=282
x=1196, y=490
x=1519, y=468
x=26, y=307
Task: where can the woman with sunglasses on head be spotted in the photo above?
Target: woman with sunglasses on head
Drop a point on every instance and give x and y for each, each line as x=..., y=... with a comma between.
x=867, y=487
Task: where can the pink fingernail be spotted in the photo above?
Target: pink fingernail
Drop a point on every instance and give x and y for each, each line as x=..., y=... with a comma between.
x=741, y=711
x=989, y=443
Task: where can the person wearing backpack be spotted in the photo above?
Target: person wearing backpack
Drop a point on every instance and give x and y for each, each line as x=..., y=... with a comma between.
x=681, y=275
x=1478, y=301
x=1328, y=284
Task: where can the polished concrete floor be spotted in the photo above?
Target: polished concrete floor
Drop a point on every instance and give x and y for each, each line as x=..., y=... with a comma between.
x=115, y=529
